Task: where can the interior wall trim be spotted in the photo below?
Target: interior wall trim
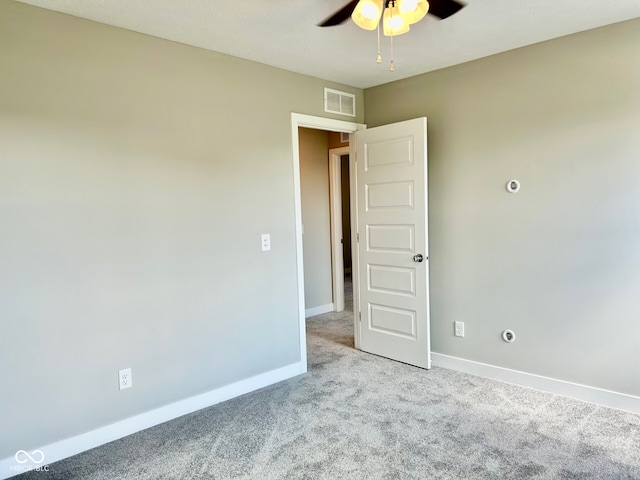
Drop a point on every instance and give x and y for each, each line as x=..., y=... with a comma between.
x=68, y=447
x=319, y=310
x=599, y=396
x=319, y=123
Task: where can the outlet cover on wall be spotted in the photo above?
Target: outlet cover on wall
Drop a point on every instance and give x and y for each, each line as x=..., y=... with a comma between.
x=458, y=329
x=125, y=379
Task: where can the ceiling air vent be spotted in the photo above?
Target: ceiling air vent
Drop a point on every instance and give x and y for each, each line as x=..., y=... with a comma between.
x=339, y=102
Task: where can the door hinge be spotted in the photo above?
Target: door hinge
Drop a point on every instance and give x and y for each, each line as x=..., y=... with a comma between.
x=360, y=316
x=357, y=237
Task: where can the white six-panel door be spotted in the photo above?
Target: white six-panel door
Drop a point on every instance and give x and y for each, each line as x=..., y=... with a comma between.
x=393, y=287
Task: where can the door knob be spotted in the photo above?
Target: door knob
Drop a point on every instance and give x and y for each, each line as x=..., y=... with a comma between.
x=418, y=258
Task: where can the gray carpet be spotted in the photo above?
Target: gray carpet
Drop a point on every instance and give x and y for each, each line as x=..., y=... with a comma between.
x=358, y=416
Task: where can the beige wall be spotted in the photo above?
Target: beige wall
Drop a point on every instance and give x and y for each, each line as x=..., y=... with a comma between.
x=314, y=185
x=559, y=262
x=136, y=177
x=335, y=140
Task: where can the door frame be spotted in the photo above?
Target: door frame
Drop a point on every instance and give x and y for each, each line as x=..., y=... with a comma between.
x=318, y=123
x=335, y=219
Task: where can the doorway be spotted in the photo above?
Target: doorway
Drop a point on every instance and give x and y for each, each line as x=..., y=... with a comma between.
x=318, y=123
x=388, y=187
x=340, y=214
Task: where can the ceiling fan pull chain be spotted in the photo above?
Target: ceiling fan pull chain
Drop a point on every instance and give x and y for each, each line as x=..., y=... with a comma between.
x=379, y=57
x=392, y=67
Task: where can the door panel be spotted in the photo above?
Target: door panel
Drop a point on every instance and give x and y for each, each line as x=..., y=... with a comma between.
x=391, y=167
x=390, y=238
x=393, y=151
x=390, y=195
x=394, y=321
x=394, y=280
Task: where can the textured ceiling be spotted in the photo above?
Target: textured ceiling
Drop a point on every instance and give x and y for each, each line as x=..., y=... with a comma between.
x=283, y=33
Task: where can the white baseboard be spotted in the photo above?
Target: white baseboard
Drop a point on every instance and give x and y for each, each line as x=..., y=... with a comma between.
x=80, y=443
x=312, y=312
x=607, y=398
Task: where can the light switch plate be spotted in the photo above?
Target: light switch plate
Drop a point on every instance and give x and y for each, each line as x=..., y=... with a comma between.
x=266, y=242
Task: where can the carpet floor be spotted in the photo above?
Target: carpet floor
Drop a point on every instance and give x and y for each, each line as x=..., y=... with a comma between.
x=359, y=416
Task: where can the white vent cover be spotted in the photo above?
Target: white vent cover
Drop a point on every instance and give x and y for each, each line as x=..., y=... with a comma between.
x=336, y=101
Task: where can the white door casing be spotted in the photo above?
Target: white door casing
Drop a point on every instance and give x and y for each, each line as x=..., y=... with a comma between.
x=337, y=235
x=393, y=291
x=319, y=123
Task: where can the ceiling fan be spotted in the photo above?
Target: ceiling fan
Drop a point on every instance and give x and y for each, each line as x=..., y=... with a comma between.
x=438, y=8
x=394, y=15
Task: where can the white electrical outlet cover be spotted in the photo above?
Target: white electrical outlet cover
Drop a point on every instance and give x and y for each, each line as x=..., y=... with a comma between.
x=458, y=329
x=125, y=380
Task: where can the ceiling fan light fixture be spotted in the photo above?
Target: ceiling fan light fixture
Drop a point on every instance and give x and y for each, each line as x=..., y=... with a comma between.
x=396, y=16
x=413, y=11
x=367, y=13
x=393, y=23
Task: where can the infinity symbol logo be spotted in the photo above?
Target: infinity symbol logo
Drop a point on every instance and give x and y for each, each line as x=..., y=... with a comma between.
x=36, y=456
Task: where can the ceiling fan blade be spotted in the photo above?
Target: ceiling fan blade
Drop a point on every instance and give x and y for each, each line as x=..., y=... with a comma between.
x=444, y=8
x=340, y=16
